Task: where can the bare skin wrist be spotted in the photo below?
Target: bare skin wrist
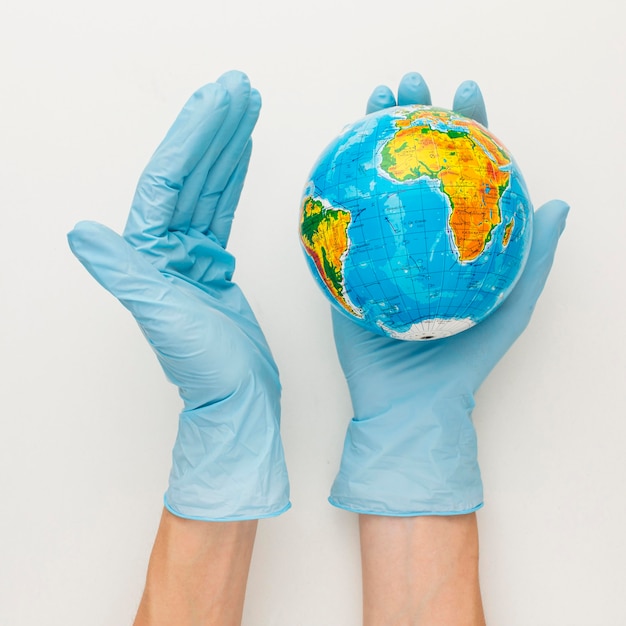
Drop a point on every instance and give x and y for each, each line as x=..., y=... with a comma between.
x=420, y=571
x=197, y=573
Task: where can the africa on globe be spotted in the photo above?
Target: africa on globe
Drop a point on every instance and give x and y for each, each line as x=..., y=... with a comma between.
x=416, y=222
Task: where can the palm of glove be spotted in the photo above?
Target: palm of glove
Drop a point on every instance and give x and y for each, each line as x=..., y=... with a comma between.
x=204, y=332
x=382, y=371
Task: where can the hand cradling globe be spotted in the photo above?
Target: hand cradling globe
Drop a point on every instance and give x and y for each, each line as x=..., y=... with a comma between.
x=416, y=222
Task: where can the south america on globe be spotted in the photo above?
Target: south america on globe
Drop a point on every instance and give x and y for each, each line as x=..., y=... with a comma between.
x=416, y=222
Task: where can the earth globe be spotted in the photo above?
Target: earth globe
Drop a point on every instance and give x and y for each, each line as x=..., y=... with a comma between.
x=416, y=222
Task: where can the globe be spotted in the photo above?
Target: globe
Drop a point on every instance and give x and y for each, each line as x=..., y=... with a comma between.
x=416, y=222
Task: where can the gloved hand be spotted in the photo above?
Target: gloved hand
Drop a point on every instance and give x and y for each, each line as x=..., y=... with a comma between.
x=411, y=446
x=172, y=272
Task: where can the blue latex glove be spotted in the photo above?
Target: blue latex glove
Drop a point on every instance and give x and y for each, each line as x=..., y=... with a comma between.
x=172, y=272
x=411, y=447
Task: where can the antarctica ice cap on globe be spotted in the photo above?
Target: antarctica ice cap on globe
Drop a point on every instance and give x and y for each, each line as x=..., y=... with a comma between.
x=416, y=222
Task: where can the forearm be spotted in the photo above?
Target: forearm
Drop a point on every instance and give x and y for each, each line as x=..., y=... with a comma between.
x=197, y=573
x=420, y=571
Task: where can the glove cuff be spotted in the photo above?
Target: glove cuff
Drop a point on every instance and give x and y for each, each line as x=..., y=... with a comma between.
x=411, y=460
x=228, y=461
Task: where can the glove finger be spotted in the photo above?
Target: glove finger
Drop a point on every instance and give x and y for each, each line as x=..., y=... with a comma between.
x=223, y=217
x=176, y=157
x=500, y=330
x=123, y=272
x=211, y=202
x=218, y=158
x=469, y=101
x=382, y=98
x=413, y=90
x=548, y=225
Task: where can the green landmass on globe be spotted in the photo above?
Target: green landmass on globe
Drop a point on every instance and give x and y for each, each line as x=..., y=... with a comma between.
x=416, y=222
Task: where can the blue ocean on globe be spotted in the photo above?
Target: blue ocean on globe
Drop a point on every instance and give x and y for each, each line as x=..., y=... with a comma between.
x=416, y=222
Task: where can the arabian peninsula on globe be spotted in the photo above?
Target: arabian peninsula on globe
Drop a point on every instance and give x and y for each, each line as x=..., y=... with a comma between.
x=416, y=222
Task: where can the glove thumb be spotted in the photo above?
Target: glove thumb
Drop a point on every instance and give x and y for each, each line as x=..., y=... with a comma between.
x=549, y=223
x=122, y=271
x=510, y=320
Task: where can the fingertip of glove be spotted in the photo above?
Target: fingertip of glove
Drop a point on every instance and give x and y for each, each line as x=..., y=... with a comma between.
x=79, y=234
x=255, y=97
x=235, y=81
x=557, y=211
x=254, y=104
x=558, y=206
x=467, y=90
x=382, y=97
x=469, y=101
x=213, y=94
x=88, y=238
x=413, y=89
x=234, y=76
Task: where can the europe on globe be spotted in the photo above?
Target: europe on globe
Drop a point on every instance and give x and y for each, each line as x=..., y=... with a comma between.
x=416, y=222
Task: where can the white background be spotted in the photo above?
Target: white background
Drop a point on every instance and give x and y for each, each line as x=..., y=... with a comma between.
x=87, y=419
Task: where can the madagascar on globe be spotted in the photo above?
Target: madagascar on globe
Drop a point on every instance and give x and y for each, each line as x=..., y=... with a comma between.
x=416, y=222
